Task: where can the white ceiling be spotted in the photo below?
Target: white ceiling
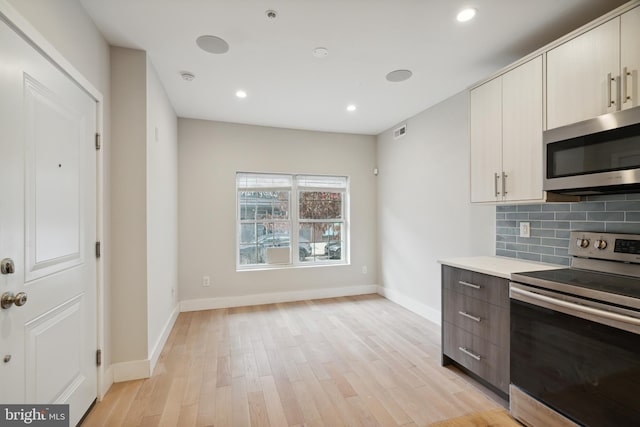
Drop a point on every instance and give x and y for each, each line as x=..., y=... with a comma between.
x=288, y=87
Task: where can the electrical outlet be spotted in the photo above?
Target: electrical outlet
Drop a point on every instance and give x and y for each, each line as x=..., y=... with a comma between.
x=525, y=229
x=206, y=281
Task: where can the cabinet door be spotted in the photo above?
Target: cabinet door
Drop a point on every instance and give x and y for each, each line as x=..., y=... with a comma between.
x=485, y=124
x=522, y=131
x=630, y=58
x=577, y=83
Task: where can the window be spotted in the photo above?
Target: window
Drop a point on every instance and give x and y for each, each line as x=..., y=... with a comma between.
x=279, y=212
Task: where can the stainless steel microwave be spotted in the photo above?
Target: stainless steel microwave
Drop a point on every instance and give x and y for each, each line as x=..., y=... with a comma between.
x=596, y=156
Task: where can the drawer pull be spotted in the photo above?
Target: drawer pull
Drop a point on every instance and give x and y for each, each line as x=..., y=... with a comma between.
x=469, y=285
x=468, y=353
x=468, y=316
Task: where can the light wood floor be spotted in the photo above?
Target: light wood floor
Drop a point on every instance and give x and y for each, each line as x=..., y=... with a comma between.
x=334, y=362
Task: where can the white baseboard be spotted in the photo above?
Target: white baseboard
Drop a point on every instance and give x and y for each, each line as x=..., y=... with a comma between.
x=411, y=304
x=162, y=339
x=275, y=297
x=133, y=370
x=105, y=382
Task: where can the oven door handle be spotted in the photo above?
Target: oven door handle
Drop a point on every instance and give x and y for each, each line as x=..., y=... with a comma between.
x=616, y=320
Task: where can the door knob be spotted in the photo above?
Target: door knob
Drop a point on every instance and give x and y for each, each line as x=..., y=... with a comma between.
x=8, y=299
x=7, y=266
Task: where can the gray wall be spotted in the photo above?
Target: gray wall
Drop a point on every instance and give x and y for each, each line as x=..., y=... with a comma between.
x=210, y=154
x=424, y=212
x=551, y=223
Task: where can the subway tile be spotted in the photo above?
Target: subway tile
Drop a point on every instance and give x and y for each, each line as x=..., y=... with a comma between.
x=547, y=216
x=528, y=256
x=510, y=254
x=587, y=226
x=506, y=208
x=556, y=207
x=502, y=223
x=528, y=240
x=623, y=206
x=587, y=206
x=518, y=215
x=546, y=250
x=507, y=231
x=571, y=216
x=501, y=245
x=561, y=243
x=509, y=239
x=623, y=227
x=538, y=232
x=632, y=216
x=555, y=260
x=500, y=215
x=565, y=225
x=605, y=216
x=562, y=234
x=561, y=252
x=535, y=225
x=529, y=208
x=516, y=247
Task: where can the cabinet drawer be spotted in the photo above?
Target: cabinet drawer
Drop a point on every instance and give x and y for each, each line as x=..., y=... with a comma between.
x=480, y=356
x=494, y=290
x=478, y=317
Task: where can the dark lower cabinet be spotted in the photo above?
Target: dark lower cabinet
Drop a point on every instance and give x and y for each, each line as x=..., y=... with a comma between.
x=475, y=325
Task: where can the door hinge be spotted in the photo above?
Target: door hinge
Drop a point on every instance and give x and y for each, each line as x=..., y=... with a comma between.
x=98, y=249
x=98, y=357
x=98, y=143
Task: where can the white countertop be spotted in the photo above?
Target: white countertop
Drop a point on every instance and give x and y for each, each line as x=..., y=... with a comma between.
x=497, y=266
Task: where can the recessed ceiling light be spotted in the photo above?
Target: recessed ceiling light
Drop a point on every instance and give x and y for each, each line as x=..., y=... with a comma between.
x=187, y=76
x=241, y=94
x=399, y=75
x=320, y=52
x=212, y=44
x=466, y=14
x=351, y=107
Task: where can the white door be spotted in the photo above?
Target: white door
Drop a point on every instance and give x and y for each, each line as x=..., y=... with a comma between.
x=48, y=229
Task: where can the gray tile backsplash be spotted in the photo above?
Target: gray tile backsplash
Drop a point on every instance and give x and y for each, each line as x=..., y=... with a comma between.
x=551, y=223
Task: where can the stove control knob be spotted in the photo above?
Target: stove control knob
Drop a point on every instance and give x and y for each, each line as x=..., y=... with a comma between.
x=582, y=243
x=600, y=244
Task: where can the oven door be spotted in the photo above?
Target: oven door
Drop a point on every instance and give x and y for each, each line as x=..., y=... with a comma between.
x=578, y=357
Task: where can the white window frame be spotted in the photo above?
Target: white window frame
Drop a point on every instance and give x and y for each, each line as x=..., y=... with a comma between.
x=295, y=221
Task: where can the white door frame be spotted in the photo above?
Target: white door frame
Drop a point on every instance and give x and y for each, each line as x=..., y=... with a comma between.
x=9, y=15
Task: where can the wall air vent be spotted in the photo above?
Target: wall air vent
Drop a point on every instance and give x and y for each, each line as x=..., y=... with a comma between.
x=400, y=132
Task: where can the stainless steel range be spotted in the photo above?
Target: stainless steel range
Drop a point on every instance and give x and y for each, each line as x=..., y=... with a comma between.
x=575, y=336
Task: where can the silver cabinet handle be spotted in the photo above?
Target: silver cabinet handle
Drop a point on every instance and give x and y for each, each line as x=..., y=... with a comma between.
x=468, y=316
x=496, y=177
x=504, y=183
x=468, y=353
x=469, y=285
x=625, y=95
x=610, y=99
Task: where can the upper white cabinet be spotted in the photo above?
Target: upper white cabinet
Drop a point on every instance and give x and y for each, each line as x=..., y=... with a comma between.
x=506, y=136
x=630, y=58
x=594, y=73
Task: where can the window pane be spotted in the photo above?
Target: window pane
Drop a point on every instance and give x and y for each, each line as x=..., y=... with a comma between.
x=326, y=182
x=323, y=238
x=320, y=205
x=260, y=205
x=260, y=180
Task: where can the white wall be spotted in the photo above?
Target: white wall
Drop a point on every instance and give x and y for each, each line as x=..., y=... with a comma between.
x=162, y=208
x=129, y=207
x=424, y=212
x=210, y=154
x=65, y=24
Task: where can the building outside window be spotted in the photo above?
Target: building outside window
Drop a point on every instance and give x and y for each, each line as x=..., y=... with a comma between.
x=291, y=220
